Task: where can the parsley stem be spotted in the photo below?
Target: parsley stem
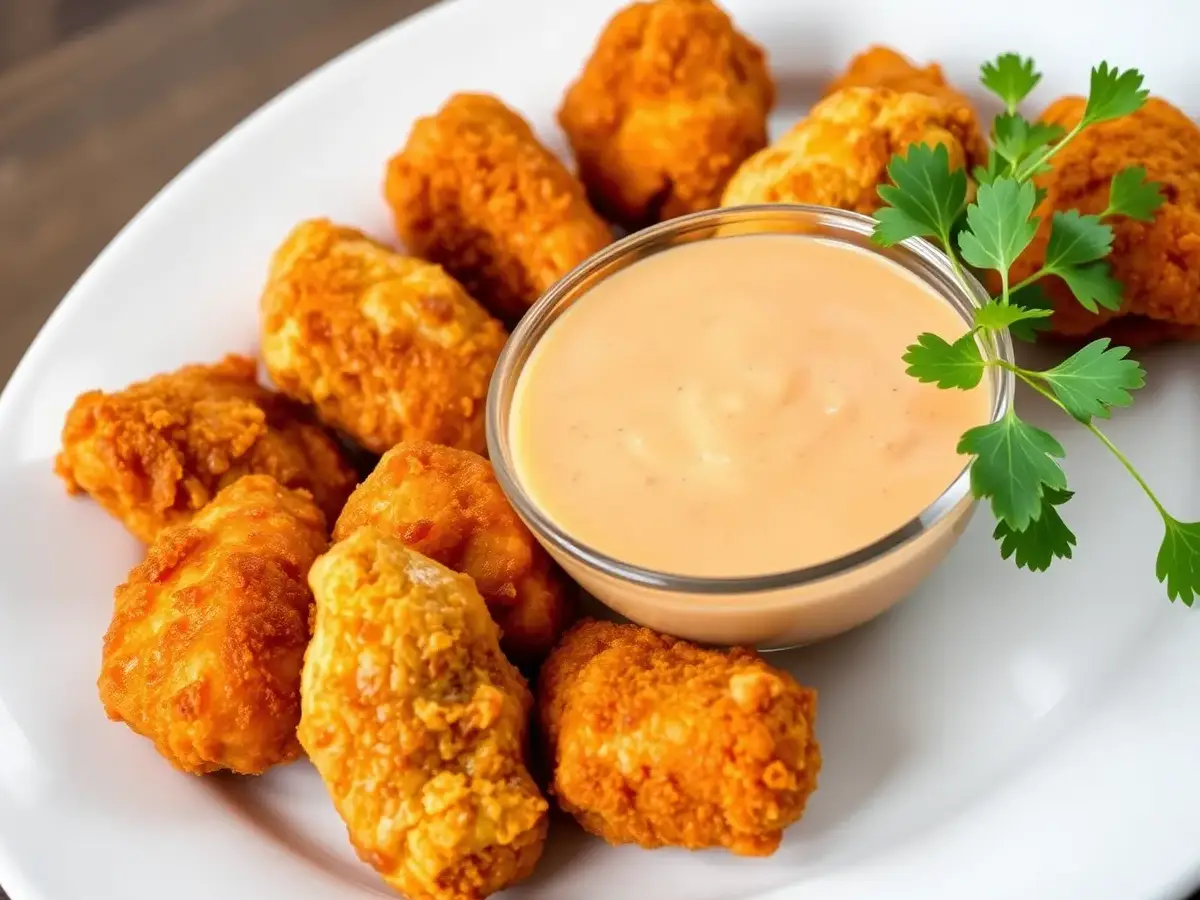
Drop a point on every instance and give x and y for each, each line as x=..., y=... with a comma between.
x=1038, y=161
x=953, y=257
x=1026, y=282
x=1031, y=378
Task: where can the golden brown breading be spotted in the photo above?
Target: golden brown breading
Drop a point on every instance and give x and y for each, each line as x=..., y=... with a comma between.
x=670, y=103
x=883, y=67
x=418, y=724
x=208, y=634
x=474, y=191
x=658, y=742
x=1157, y=262
x=838, y=155
x=159, y=450
x=447, y=504
x=386, y=347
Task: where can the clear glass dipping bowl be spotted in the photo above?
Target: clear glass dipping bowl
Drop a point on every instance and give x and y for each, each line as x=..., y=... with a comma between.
x=770, y=611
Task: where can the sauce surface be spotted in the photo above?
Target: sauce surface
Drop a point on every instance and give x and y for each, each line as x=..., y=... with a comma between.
x=739, y=406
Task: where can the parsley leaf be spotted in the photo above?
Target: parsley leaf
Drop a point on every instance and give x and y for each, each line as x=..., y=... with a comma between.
x=1016, y=139
x=1076, y=239
x=1179, y=560
x=1089, y=383
x=1014, y=463
x=995, y=315
x=1046, y=539
x=932, y=360
x=1030, y=297
x=1113, y=94
x=1131, y=194
x=1092, y=284
x=925, y=196
x=1010, y=77
x=999, y=224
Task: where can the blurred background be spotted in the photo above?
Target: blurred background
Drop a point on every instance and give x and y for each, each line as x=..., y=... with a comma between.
x=102, y=102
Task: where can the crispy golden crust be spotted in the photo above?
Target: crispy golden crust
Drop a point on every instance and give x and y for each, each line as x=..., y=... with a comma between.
x=670, y=103
x=883, y=67
x=838, y=155
x=159, y=450
x=447, y=504
x=657, y=742
x=386, y=347
x=1157, y=262
x=207, y=638
x=417, y=723
x=474, y=191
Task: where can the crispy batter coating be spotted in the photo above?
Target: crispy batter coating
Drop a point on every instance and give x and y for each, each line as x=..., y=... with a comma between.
x=386, y=347
x=1157, y=262
x=159, y=450
x=447, y=504
x=418, y=724
x=208, y=634
x=883, y=67
x=670, y=103
x=474, y=191
x=658, y=742
x=838, y=155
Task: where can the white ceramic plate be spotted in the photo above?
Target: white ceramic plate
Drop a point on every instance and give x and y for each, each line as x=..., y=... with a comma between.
x=999, y=735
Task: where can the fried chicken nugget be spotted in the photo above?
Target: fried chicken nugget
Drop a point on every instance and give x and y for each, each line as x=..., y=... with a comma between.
x=447, y=504
x=474, y=191
x=156, y=452
x=418, y=724
x=658, y=742
x=386, y=347
x=838, y=155
x=208, y=634
x=1157, y=262
x=670, y=103
x=883, y=67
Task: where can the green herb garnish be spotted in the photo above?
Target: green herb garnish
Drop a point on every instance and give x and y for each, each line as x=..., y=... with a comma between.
x=1014, y=465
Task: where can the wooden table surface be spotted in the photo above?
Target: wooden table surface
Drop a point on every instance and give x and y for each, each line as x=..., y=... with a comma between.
x=103, y=101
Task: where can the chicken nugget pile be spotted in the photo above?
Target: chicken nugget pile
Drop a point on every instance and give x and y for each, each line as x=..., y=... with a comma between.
x=447, y=504
x=393, y=656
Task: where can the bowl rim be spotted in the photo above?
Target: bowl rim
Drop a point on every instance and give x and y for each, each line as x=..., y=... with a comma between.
x=841, y=225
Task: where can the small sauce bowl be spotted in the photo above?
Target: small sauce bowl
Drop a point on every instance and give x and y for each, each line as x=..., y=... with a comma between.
x=769, y=611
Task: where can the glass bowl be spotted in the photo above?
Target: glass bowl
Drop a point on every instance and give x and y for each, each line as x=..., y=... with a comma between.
x=769, y=611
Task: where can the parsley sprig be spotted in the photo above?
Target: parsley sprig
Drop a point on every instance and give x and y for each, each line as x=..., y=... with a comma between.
x=1016, y=466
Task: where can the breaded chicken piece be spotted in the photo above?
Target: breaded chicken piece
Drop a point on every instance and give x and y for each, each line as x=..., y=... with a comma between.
x=671, y=102
x=386, y=347
x=418, y=724
x=208, y=634
x=447, y=504
x=658, y=742
x=473, y=190
x=838, y=155
x=156, y=452
x=882, y=67
x=1157, y=262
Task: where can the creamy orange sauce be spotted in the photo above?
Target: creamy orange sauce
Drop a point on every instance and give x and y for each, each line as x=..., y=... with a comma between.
x=739, y=406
